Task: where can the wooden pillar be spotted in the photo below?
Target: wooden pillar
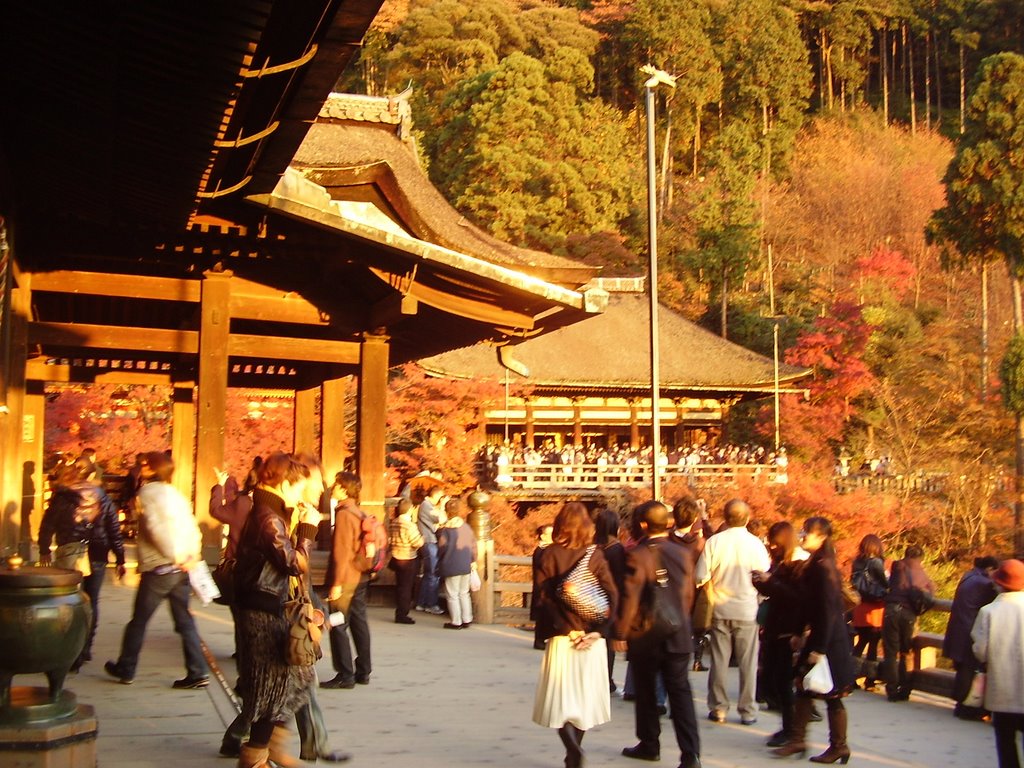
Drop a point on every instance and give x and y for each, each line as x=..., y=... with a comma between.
x=32, y=464
x=13, y=536
x=183, y=438
x=333, y=447
x=577, y=423
x=528, y=403
x=372, y=424
x=634, y=424
x=305, y=421
x=214, y=331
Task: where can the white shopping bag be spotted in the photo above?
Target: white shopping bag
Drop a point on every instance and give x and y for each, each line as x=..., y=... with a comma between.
x=819, y=678
x=202, y=583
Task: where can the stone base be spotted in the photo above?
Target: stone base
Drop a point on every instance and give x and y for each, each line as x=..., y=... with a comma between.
x=66, y=743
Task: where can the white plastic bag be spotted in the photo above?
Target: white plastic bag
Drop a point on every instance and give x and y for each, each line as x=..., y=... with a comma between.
x=202, y=582
x=819, y=678
x=474, y=581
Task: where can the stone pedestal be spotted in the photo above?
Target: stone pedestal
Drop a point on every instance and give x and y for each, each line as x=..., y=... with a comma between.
x=68, y=742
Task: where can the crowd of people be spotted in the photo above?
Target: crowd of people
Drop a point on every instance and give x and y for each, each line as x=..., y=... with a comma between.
x=495, y=460
x=662, y=589
x=777, y=607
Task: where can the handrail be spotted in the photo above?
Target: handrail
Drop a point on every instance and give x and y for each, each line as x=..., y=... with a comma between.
x=542, y=476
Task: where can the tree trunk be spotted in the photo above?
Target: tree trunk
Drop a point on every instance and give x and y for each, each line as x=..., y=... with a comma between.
x=882, y=50
x=666, y=159
x=725, y=302
x=937, y=60
x=909, y=43
x=963, y=89
x=984, y=331
x=1018, y=504
x=826, y=52
x=927, y=80
x=696, y=141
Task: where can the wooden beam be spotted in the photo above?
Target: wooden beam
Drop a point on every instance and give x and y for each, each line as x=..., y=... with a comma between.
x=121, y=286
x=390, y=310
x=114, y=337
x=253, y=301
x=372, y=428
x=14, y=531
x=281, y=348
x=39, y=370
x=214, y=332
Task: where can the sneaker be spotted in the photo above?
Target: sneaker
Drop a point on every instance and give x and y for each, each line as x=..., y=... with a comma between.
x=748, y=720
x=404, y=620
x=191, y=682
x=115, y=671
x=421, y=608
x=716, y=717
x=435, y=610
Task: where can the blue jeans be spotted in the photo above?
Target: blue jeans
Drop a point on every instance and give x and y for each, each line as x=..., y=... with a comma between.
x=153, y=589
x=430, y=581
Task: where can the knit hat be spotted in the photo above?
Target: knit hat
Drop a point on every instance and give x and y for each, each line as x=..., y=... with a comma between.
x=1010, y=576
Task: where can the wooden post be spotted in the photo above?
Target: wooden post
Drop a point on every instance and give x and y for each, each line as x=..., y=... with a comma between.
x=577, y=423
x=305, y=424
x=528, y=403
x=479, y=519
x=12, y=427
x=372, y=424
x=32, y=466
x=214, y=333
x=333, y=446
x=634, y=424
x=183, y=438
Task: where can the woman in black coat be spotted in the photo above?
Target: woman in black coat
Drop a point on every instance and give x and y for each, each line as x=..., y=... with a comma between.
x=825, y=615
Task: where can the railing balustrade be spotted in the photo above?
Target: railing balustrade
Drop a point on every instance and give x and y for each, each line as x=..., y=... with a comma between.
x=594, y=476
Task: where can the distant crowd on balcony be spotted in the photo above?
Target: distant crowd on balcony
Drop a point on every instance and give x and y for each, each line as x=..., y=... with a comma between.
x=499, y=461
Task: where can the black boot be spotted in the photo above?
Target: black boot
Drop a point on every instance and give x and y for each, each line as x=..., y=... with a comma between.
x=797, y=744
x=837, y=751
x=781, y=737
x=572, y=738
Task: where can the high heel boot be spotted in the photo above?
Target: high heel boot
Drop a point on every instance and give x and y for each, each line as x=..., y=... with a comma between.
x=837, y=751
x=279, y=748
x=797, y=744
x=572, y=738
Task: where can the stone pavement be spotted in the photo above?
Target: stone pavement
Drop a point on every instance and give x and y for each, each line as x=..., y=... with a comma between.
x=444, y=698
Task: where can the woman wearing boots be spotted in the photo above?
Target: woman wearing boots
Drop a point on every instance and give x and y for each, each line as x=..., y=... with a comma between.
x=266, y=558
x=572, y=690
x=821, y=593
x=869, y=579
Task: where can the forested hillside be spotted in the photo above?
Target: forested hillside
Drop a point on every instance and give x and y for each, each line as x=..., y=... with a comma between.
x=801, y=154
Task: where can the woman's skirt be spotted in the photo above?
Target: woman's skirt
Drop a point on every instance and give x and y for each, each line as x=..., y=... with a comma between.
x=572, y=686
x=271, y=690
x=868, y=614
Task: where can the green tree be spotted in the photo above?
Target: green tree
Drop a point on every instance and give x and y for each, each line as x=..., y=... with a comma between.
x=983, y=218
x=526, y=155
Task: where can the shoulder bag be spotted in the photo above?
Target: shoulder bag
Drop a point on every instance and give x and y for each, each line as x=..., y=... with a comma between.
x=73, y=556
x=663, y=615
x=581, y=592
x=302, y=644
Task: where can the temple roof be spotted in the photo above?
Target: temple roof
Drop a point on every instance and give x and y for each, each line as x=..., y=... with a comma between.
x=361, y=150
x=610, y=352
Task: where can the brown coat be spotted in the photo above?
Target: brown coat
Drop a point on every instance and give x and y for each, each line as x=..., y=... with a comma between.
x=342, y=568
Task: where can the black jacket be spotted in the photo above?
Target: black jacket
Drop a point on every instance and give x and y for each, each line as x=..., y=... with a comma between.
x=825, y=612
x=266, y=556
x=553, y=616
x=641, y=566
x=974, y=591
x=82, y=512
x=785, y=612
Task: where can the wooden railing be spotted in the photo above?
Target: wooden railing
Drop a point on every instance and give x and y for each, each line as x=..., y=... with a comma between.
x=594, y=476
x=927, y=646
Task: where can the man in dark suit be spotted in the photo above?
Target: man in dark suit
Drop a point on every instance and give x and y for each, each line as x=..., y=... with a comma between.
x=656, y=557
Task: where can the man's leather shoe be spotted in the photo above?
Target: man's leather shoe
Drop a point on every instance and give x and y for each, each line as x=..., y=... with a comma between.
x=338, y=682
x=693, y=761
x=639, y=753
x=716, y=717
x=363, y=680
x=334, y=756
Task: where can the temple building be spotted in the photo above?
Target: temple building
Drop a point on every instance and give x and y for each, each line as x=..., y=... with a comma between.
x=590, y=383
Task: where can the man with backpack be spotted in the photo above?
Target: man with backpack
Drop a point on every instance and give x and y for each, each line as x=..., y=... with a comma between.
x=356, y=553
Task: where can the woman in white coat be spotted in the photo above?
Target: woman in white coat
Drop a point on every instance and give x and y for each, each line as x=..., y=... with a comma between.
x=998, y=636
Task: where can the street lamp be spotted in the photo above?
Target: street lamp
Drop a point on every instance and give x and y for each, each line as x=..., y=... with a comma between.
x=655, y=78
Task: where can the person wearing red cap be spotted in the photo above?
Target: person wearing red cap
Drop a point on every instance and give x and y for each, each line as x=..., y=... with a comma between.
x=998, y=636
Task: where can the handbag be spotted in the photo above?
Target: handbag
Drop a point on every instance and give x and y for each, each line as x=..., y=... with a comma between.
x=851, y=598
x=224, y=578
x=74, y=556
x=474, y=580
x=581, y=592
x=921, y=601
x=976, y=696
x=702, y=610
x=662, y=616
x=302, y=643
x=819, y=678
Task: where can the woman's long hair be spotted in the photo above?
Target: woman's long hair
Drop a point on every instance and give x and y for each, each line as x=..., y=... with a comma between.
x=871, y=546
x=826, y=554
x=573, y=528
x=606, y=527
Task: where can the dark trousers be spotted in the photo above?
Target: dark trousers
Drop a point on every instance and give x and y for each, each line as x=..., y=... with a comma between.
x=897, y=638
x=153, y=589
x=778, y=677
x=1007, y=725
x=356, y=624
x=429, y=582
x=405, y=577
x=91, y=586
x=674, y=668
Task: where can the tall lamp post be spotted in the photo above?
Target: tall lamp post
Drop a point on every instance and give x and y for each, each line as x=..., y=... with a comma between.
x=655, y=78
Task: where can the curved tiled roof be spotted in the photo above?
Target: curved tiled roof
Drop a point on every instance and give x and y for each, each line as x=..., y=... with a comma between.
x=610, y=351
